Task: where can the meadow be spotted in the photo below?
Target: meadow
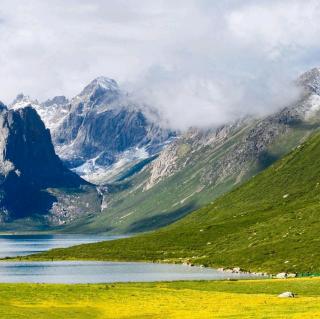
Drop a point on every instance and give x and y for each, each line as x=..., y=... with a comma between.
x=196, y=299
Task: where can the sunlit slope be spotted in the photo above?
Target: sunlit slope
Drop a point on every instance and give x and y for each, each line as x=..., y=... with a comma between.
x=270, y=223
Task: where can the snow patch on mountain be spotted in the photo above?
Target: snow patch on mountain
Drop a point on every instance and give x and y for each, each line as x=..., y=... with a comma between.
x=97, y=174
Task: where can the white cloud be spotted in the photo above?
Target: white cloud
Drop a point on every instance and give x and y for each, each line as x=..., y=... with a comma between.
x=199, y=62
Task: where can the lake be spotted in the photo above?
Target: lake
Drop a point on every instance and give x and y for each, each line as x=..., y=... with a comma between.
x=20, y=245
x=72, y=272
x=89, y=271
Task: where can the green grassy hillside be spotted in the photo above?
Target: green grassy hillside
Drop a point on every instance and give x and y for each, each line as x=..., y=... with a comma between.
x=270, y=223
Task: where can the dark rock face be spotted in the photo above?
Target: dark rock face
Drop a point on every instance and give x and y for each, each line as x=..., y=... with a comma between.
x=28, y=163
x=114, y=131
x=2, y=107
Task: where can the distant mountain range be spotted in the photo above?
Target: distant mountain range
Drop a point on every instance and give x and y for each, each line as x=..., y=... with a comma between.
x=148, y=176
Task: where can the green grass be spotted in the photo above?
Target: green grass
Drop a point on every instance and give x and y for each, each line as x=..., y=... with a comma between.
x=271, y=223
x=225, y=299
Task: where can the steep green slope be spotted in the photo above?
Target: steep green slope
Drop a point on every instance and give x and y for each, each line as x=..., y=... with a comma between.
x=270, y=223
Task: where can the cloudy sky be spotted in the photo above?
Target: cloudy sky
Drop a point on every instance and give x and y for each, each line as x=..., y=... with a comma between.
x=200, y=62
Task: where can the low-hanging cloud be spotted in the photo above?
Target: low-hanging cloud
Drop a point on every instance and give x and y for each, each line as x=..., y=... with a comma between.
x=198, y=62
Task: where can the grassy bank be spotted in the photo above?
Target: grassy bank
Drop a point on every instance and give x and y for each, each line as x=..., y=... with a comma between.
x=242, y=299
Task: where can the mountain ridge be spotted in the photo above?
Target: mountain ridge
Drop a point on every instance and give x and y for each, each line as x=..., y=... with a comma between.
x=144, y=189
x=200, y=165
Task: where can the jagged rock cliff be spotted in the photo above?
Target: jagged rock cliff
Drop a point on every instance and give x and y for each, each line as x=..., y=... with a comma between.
x=26, y=151
x=102, y=124
x=29, y=166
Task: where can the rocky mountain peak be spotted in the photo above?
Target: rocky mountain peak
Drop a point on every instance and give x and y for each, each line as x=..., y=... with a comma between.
x=102, y=126
x=19, y=97
x=22, y=101
x=52, y=111
x=105, y=82
x=99, y=87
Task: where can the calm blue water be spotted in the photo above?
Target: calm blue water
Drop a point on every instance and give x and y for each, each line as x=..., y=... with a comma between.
x=86, y=271
x=19, y=245
x=104, y=272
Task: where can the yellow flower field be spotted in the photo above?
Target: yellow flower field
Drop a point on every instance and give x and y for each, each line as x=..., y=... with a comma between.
x=241, y=299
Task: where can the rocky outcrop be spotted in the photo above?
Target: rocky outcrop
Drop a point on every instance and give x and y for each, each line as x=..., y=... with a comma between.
x=27, y=151
x=56, y=101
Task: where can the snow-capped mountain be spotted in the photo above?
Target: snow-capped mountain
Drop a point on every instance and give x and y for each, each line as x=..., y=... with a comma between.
x=99, y=129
